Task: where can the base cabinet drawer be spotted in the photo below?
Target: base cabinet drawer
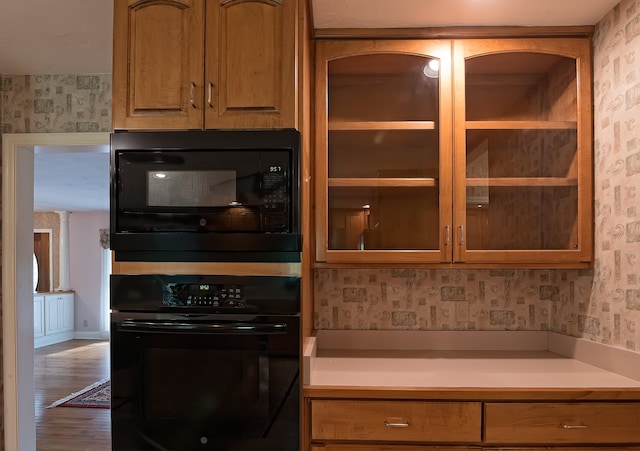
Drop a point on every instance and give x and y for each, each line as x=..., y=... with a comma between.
x=561, y=423
x=396, y=421
x=343, y=447
x=553, y=448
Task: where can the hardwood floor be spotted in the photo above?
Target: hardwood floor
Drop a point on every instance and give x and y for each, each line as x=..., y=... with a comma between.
x=60, y=370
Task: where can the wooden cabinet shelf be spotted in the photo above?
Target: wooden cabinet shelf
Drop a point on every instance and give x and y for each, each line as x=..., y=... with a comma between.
x=522, y=181
x=383, y=182
x=521, y=125
x=382, y=125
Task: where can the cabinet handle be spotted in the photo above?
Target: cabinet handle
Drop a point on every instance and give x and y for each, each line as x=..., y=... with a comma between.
x=447, y=235
x=461, y=230
x=573, y=426
x=192, y=99
x=209, y=90
x=404, y=424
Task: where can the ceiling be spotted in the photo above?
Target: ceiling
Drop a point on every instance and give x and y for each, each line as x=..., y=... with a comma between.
x=74, y=178
x=75, y=37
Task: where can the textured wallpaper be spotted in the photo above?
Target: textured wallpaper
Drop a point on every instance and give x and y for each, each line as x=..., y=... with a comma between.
x=55, y=103
x=615, y=300
x=602, y=304
x=446, y=299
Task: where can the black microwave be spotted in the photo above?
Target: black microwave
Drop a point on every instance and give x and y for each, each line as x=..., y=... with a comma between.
x=219, y=195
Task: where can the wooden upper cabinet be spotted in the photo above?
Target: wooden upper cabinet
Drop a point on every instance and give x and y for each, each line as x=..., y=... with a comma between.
x=158, y=70
x=485, y=161
x=523, y=152
x=383, y=151
x=194, y=64
x=250, y=64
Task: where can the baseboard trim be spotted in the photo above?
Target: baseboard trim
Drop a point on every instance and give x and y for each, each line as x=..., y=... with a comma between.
x=89, y=336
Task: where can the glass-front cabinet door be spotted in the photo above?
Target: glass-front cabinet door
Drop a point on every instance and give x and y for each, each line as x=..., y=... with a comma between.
x=383, y=151
x=523, y=151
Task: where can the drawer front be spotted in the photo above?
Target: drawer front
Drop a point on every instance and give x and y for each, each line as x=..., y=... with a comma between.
x=563, y=448
x=559, y=423
x=397, y=421
x=343, y=447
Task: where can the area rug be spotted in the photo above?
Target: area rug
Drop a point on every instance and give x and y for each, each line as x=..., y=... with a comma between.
x=96, y=395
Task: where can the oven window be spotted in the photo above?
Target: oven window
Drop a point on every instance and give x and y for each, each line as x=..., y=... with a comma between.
x=191, y=188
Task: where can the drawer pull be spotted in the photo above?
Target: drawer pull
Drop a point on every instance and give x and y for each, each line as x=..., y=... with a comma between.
x=404, y=424
x=573, y=426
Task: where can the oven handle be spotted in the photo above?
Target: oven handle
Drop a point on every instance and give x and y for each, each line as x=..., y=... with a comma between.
x=176, y=327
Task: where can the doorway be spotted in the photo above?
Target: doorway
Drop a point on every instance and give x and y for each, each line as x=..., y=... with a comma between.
x=42, y=242
x=17, y=261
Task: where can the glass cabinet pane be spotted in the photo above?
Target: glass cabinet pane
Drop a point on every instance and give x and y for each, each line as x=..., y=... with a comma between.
x=383, y=156
x=521, y=152
x=519, y=86
x=383, y=87
x=390, y=218
x=522, y=217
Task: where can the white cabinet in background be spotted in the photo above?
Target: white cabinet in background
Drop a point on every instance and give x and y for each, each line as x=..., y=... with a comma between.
x=56, y=318
x=38, y=316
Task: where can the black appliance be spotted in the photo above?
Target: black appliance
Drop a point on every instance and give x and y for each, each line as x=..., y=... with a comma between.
x=205, y=362
x=219, y=195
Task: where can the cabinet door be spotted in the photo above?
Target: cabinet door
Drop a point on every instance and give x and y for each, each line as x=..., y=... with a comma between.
x=523, y=151
x=66, y=313
x=158, y=60
x=52, y=315
x=38, y=316
x=250, y=64
x=383, y=151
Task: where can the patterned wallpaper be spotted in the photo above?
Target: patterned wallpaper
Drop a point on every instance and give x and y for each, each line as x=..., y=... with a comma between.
x=445, y=299
x=615, y=300
x=602, y=304
x=55, y=103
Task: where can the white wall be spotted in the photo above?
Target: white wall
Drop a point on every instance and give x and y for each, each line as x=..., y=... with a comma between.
x=85, y=267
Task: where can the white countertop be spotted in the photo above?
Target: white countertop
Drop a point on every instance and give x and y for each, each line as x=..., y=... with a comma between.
x=460, y=369
x=527, y=366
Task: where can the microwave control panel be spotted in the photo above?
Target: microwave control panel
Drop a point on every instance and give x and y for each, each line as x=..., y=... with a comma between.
x=274, y=205
x=203, y=295
x=275, y=191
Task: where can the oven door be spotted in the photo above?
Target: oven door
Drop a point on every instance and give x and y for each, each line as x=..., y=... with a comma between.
x=205, y=382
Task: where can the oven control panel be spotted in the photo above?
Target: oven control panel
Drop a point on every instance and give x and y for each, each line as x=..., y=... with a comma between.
x=203, y=295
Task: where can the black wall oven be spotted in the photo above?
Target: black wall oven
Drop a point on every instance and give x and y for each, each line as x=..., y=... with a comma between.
x=205, y=362
x=205, y=195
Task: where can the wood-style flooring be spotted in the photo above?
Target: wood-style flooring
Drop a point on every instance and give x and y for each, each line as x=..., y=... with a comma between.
x=60, y=370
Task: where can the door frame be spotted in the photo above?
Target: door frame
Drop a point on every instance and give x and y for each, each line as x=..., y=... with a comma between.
x=17, y=286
